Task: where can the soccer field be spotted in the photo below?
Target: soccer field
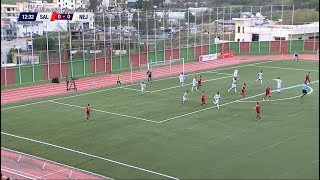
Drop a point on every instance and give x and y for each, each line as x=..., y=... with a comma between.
x=155, y=136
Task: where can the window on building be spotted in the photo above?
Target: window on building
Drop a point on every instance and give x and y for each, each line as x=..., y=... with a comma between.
x=238, y=29
x=8, y=9
x=243, y=29
x=238, y=40
x=71, y=5
x=255, y=37
x=242, y=40
x=279, y=38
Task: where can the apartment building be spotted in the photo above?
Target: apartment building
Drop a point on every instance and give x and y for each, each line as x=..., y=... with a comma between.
x=9, y=11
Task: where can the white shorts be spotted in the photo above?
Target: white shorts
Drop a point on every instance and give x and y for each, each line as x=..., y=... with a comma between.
x=279, y=87
x=217, y=101
x=233, y=85
x=260, y=79
x=184, y=99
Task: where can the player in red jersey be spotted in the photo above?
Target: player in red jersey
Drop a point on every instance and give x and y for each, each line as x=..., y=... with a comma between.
x=88, y=109
x=203, y=99
x=257, y=108
x=199, y=82
x=308, y=78
x=243, y=91
x=268, y=93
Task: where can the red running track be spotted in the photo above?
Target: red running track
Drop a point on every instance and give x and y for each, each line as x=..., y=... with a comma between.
x=30, y=167
x=51, y=89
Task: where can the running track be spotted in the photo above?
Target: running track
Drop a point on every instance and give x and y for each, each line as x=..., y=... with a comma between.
x=51, y=89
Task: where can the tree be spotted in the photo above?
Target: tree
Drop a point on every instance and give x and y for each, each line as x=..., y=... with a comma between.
x=145, y=4
x=301, y=16
x=95, y=5
x=40, y=44
x=144, y=21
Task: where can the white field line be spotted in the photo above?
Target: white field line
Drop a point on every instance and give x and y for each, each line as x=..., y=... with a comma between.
x=173, y=87
x=238, y=114
x=21, y=174
x=282, y=99
x=54, y=163
x=132, y=89
x=90, y=155
x=239, y=100
x=123, y=115
x=289, y=68
x=295, y=114
x=235, y=134
x=103, y=90
x=272, y=145
x=66, y=97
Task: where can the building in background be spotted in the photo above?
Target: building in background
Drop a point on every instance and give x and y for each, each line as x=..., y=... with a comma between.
x=256, y=28
x=36, y=6
x=72, y=4
x=9, y=11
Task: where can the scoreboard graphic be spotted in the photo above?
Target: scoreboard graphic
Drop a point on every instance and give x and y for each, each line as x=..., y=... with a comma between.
x=53, y=16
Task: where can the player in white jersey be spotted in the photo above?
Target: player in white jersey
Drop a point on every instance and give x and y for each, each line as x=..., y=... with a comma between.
x=185, y=97
x=233, y=85
x=194, y=83
x=235, y=73
x=260, y=77
x=279, y=84
x=217, y=100
x=143, y=87
x=181, y=79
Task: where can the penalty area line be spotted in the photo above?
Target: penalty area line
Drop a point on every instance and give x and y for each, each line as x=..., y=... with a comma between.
x=90, y=155
x=231, y=102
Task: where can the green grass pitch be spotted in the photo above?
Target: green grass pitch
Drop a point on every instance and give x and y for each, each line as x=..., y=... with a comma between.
x=156, y=132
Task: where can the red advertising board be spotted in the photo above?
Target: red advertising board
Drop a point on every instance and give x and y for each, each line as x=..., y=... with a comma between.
x=226, y=54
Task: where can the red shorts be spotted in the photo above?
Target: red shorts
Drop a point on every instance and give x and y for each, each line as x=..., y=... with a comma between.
x=268, y=94
x=199, y=83
x=88, y=113
x=242, y=91
x=203, y=101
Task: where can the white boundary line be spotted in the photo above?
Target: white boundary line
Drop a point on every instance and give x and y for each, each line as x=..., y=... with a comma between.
x=239, y=100
x=272, y=145
x=282, y=99
x=90, y=155
x=133, y=89
x=173, y=87
x=123, y=115
x=289, y=68
x=66, y=97
x=112, y=88
x=53, y=162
